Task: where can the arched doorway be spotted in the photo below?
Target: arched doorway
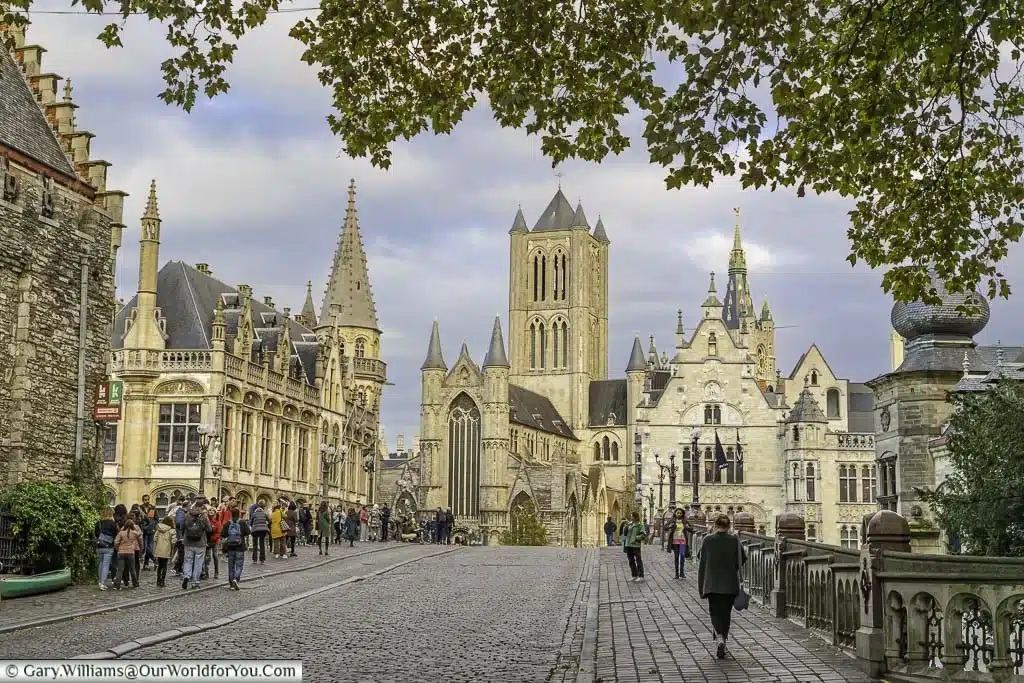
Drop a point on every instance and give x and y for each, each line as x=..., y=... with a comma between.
x=572, y=523
x=524, y=524
x=163, y=498
x=405, y=507
x=616, y=511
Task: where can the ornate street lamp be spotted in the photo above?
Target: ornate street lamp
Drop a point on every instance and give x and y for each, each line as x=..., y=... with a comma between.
x=638, y=452
x=672, y=469
x=661, y=478
x=328, y=458
x=695, y=466
x=650, y=503
x=207, y=435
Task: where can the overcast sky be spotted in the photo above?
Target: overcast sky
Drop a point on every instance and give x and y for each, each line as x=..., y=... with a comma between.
x=254, y=184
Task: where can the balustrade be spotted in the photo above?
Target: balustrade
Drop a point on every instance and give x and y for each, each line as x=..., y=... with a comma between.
x=128, y=360
x=858, y=441
x=906, y=616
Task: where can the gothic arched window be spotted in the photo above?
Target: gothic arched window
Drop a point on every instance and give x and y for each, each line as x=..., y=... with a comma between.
x=360, y=347
x=615, y=451
x=712, y=344
x=597, y=452
x=565, y=278
x=556, y=338
x=708, y=415
x=533, y=346
x=832, y=404
x=536, y=278
x=814, y=378
x=606, y=448
x=543, y=278
x=565, y=344
x=716, y=415
x=810, y=482
x=542, y=346
x=557, y=264
x=464, y=456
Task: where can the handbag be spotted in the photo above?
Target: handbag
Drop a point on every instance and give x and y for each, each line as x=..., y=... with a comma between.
x=105, y=540
x=742, y=599
x=285, y=526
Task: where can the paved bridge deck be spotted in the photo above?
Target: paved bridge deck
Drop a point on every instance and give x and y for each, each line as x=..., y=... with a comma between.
x=658, y=630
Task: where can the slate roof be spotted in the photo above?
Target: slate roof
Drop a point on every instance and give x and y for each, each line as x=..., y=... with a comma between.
x=558, y=215
x=349, y=284
x=22, y=124
x=532, y=410
x=860, y=408
x=188, y=298
x=806, y=409
x=608, y=397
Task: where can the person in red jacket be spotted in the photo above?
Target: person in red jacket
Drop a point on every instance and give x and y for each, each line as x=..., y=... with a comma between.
x=212, y=543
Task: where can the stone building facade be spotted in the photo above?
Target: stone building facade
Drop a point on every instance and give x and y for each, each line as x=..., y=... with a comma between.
x=60, y=228
x=192, y=350
x=550, y=426
x=801, y=444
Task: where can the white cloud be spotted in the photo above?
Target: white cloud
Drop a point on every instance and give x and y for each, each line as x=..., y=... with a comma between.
x=715, y=247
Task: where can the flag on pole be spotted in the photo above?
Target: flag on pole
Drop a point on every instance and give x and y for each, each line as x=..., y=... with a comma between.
x=739, y=449
x=720, y=460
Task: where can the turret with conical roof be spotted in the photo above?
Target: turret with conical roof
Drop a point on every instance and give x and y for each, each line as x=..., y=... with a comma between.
x=519, y=222
x=145, y=332
x=637, y=363
x=495, y=356
x=435, y=358
x=579, y=218
x=599, y=232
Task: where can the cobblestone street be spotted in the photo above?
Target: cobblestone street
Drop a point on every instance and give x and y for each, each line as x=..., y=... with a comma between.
x=457, y=615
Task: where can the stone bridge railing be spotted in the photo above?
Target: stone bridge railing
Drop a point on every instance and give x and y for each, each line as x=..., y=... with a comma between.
x=904, y=616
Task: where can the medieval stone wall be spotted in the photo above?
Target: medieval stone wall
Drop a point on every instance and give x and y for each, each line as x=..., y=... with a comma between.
x=40, y=283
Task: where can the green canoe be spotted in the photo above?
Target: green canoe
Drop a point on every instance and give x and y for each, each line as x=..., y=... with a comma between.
x=15, y=586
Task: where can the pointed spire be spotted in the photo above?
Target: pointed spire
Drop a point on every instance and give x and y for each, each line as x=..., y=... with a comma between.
x=737, y=258
x=652, y=352
x=434, y=360
x=679, y=322
x=558, y=215
x=519, y=224
x=495, y=357
x=464, y=353
x=711, y=285
x=636, y=358
x=766, y=311
x=349, y=286
x=599, y=233
x=152, y=210
x=308, y=309
x=712, y=300
x=579, y=219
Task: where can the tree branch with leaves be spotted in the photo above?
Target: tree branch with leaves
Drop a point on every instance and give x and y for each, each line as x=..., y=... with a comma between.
x=909, y=108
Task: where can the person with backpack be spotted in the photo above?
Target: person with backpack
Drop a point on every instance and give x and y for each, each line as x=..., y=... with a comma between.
x=278, y=531
x=351, y=527
x=292, y=517
x=211, y=545
x=179, y=527
x=636, y=534
x=197, y=534
x=164, y=541
x=235, y=534
x=105, y=531
x=259, y=526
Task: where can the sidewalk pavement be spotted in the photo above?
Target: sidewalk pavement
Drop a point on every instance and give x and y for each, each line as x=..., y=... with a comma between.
x=658, y=630
x=88, y=599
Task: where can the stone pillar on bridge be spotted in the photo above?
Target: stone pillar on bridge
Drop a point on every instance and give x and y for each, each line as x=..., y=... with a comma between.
x=788, y=525
x=743, y=522
x=885, y=531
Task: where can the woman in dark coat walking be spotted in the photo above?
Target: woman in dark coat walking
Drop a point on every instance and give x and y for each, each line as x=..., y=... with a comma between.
x=719, y=563
x=351, y=527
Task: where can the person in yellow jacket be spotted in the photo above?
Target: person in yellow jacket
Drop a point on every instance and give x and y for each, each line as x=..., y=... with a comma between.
x=277, y=531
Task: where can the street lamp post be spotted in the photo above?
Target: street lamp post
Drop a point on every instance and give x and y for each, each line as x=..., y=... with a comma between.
x=672, y=469
x=328, y=459
x=695, y=466
x=638, y=452
x=661, y=479
x=207, y=435
x=650, y=503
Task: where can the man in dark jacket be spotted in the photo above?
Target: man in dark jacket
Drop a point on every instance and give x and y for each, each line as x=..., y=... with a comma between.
x=197, y=531
x=609, y=530
x=719, y=562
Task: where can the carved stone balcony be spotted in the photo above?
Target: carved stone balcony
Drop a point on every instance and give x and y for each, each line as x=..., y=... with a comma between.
x=138, y=360
x=370, y=369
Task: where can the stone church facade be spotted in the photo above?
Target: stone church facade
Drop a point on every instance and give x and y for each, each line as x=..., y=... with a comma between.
x=193, y=350
x=545, y=424
x=60, y=228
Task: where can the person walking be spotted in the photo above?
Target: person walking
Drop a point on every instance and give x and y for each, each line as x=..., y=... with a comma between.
x=351, y=527
x=677, y=540
x=636, y=534
x=278, y=530
x=719, y=562
x=235, y=534
x=609, y=530
x=292, y=517
x=105, y=532
x=364, y=523
x=259, y=525
x=164, y=542
x=323, y=527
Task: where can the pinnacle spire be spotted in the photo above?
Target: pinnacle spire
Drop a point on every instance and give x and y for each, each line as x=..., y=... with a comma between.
x=738, y=257
x=599, y=231
x=495, y=356
x=152, y=210
x=636, y=357
x=349, y=285
x=519, y=223
x=579, y=219
x=308, y=309
x=434, y=359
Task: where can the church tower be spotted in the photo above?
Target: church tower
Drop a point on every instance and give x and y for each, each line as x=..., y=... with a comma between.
x=558, y=307
x=349, y=314
x=146, y=329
